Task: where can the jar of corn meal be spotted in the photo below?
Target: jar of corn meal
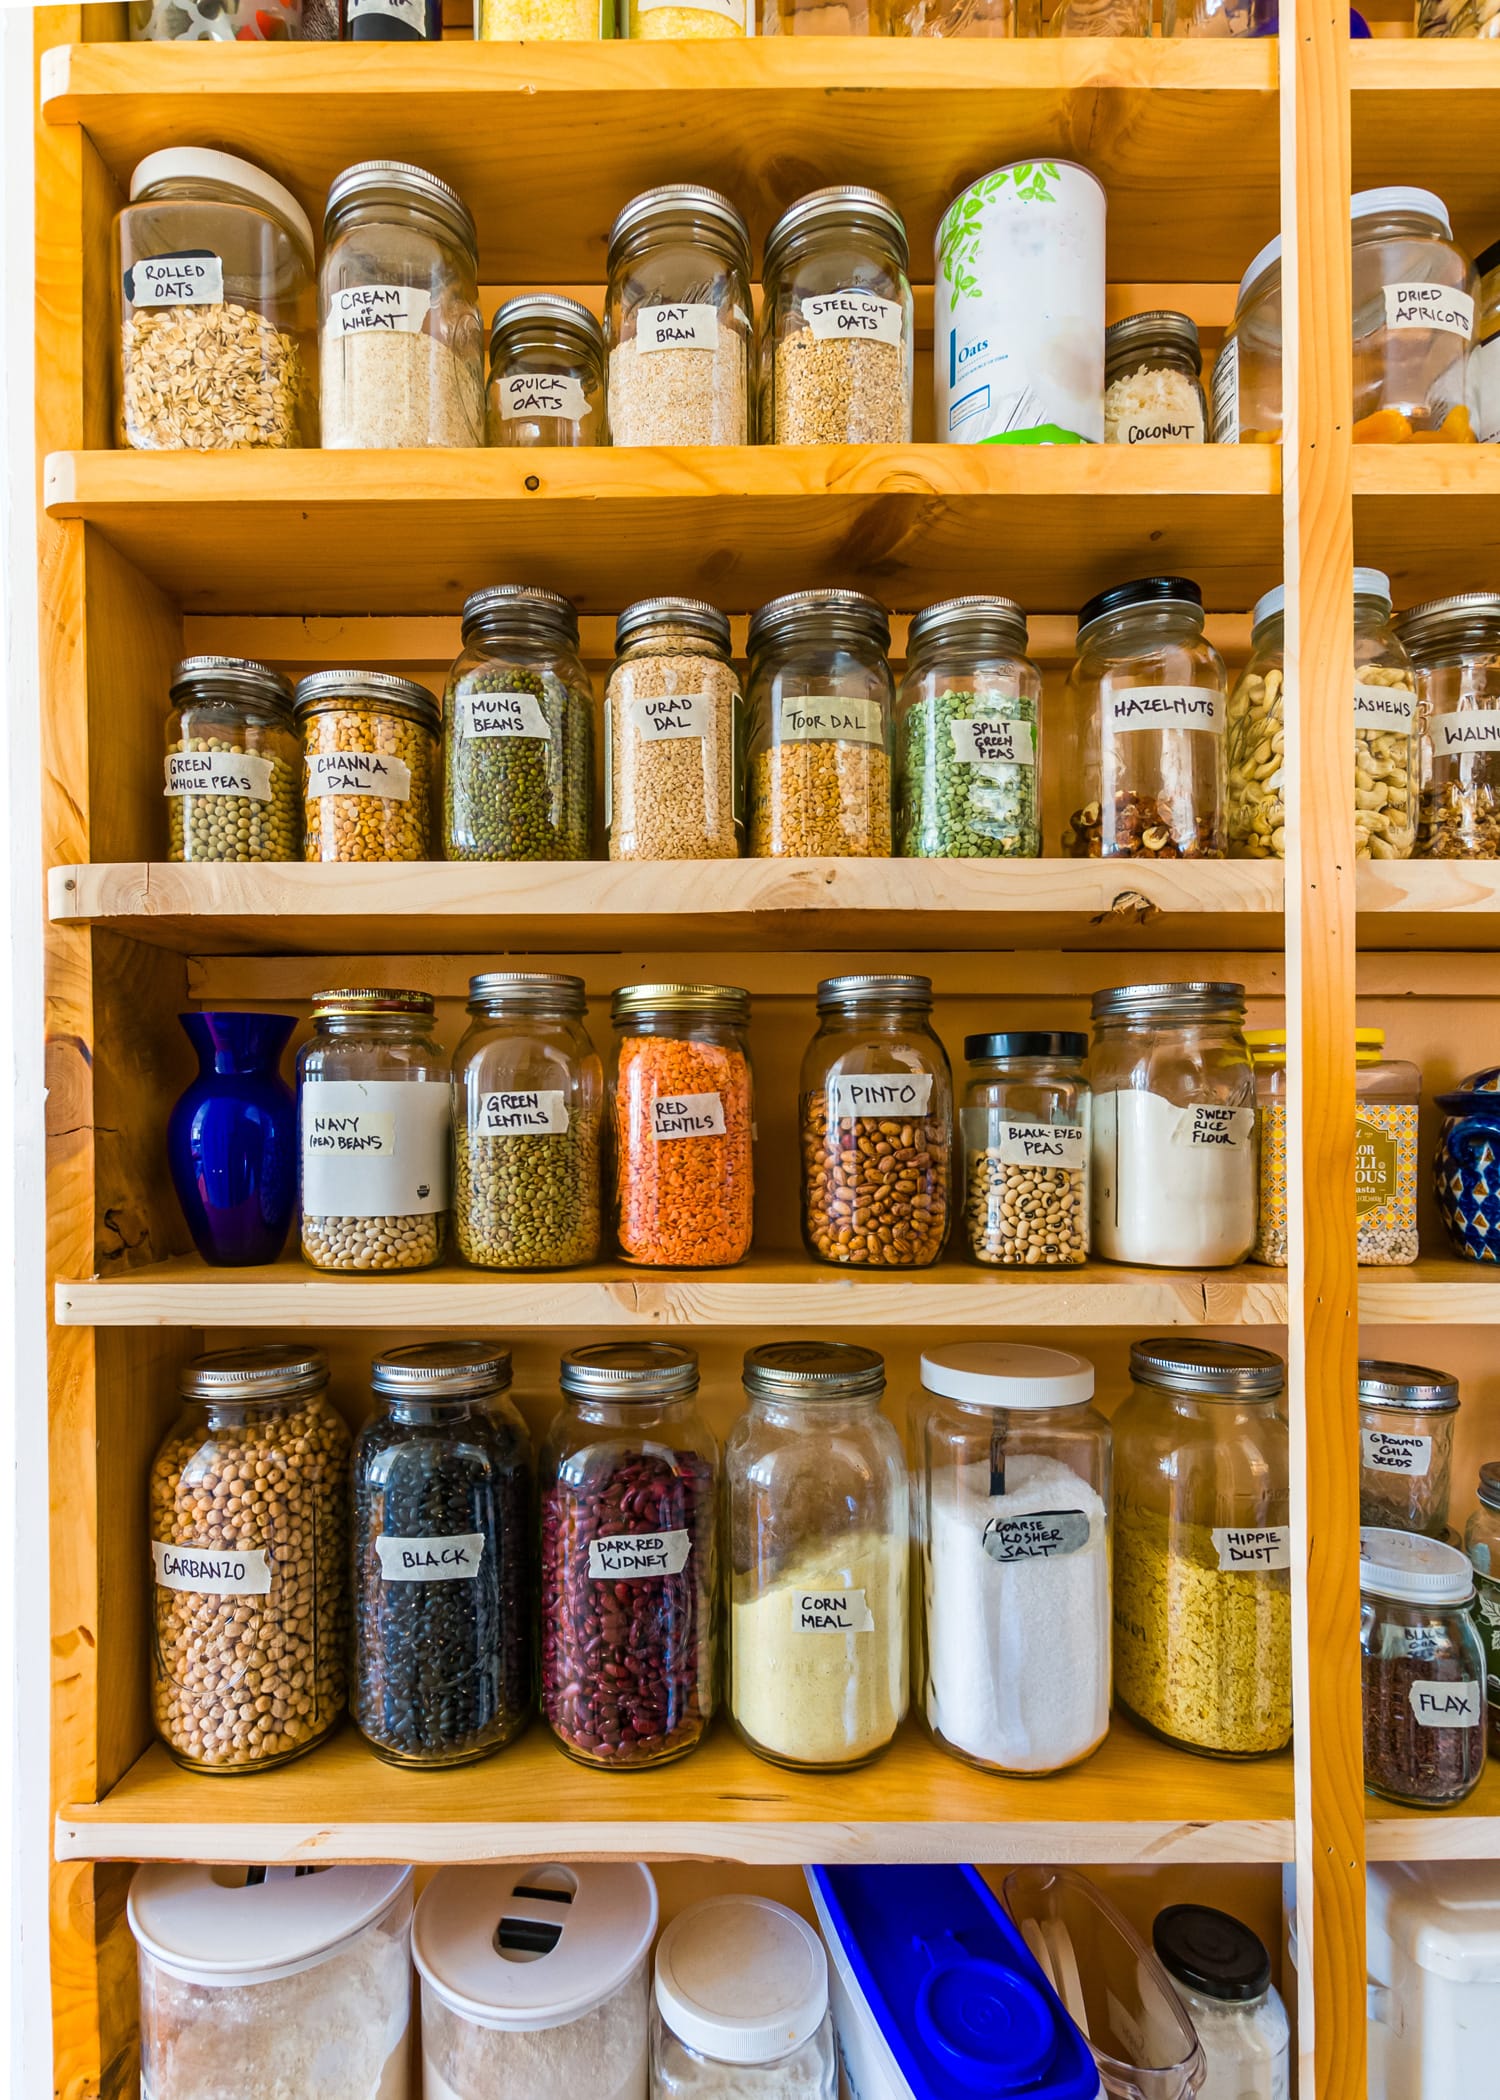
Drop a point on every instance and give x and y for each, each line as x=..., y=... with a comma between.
x=968, y=735
x=836, y=334
x=672, y=735
x=234, y=763
x=1153, y=392
x=819, y=730
x=371, y=744
x=373, y=1114
x=677, y=320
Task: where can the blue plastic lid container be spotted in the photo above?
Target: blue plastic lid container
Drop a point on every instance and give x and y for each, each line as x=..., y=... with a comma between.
x=936, y=1994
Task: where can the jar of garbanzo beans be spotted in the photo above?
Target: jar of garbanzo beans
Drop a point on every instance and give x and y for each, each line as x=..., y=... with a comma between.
x=371, y=741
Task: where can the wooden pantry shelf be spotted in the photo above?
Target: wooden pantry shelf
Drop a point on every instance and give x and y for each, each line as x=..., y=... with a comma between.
x=1423, y=112
x=1435, y=1290
x=547, y=141
x=1429, y=515
x=368, y=531
x=1136, y=1799
x=589, y=906
x=1470, y=1831
x=1429, y=904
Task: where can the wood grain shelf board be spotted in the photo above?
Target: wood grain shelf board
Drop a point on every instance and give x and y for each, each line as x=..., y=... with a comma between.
x=1135, y=1799
x=1435, y=1290
x=1469, y=1831
x=356, y=532
x=470, y=907
x=546, y=142
x=1429, y=905
x=777, y=1290
x=1423, y=112
x=1429, y=515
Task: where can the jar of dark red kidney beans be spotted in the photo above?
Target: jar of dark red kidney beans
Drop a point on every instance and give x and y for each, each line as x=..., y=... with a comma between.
x=629, y=1585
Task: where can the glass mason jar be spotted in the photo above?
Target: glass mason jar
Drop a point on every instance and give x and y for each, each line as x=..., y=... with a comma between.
x=1413, y=321
x=629, y=1557
x=400, y=334
x=836, y=330
x=1423, y=1669
x=1222, y=1973
x=682, y=1113
x=688, y=20
x=1268, y=1049
x=373, y=1112
x=969, y=736
x=950, y=18
x=371, y=747
x=442, y=1557
x=1458, y=18
x=1405, y=1446
x=816, y=18
x=391, y=21
x=677, y=320
x=1011, y=1479
x=876, y=1126
x=1385, y=744
x=673, y=735
x=1146, y=701
x=518, y=732
x=1454, y=647
x=820, y=697
x=1484, y=356
x=249, y=1543
x=1202, y=1548
x=816, y=1533
x=546, y=374
x=1153, y=386
x=528, y=1113
x=218, y=21
x=1025, y=1126
x=1245, y=395
x=1255, y=745
x=234, y=763
x=1482, y=1541
x=772, y=2034
x=1387, y=1097
x=213, y=268
x=546, y=21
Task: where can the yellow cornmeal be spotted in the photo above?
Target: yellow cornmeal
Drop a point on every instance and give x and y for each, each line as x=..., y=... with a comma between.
x=1204, y=1656
x=822, y=1698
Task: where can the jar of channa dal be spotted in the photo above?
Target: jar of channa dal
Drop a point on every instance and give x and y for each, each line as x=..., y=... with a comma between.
x=1454, y=646
x=820, y=702
x=836, y=332
x=234, y=763
x=968, y=735
x=546, y=374
x=371, y=743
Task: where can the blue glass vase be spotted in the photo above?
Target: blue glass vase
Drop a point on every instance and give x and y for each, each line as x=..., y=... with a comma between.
x=232, y=1138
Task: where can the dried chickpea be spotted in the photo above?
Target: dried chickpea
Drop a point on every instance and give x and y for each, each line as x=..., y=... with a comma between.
x=371, y=759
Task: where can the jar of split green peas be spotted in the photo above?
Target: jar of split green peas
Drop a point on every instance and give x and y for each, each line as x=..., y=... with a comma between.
x=968, y=736
x=234, y=763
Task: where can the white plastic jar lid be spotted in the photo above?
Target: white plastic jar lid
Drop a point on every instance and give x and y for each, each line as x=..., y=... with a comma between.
x=205, y=164
x=1370, y=204
x=219, y=1926
x=741, y=1979
x=1008, y=1374
x=1413, y=1569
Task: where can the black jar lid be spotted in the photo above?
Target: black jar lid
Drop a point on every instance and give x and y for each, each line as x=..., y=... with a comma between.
x=813, y=1371
x=1027, y=1042
x=502, y=609
x=232, y=678
x=1211, y=1952
x=630, y=1370
x=1146, y=590
x=269, y=1373
x=1407, y=1386
x=441, y=1370
x=1208, y=1370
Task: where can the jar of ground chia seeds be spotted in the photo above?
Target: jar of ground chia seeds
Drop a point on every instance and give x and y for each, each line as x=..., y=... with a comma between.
x=371, y=742
x=1423, y=1670
x=1406, y=1423
x=677, y=320
x=373, y=1115
x=528, y=1107
x=968, y=736
x=673, y=735
x=820, y=699
x=234, y=763
x=836, y=329
x=442, y=1557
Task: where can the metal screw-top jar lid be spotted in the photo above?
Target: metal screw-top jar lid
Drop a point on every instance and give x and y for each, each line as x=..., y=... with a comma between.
x=528, y=991
x=828, y=615
x=1488, y=1488
x=1197, y=1000
x=1407, y=1386
x=813, y=1371
x=981, y=622
x=231, y=678
x=726, y=1001
x=1138, y=335
x=529, y=309
x=1145, y=591
x=1442, y=623
x=397, y=182
x=1213, y=1370
x=322, y=690
x=254, y=1374
x=441, y=1370
x=859, y=989
x=693, y=616
x=630, y=1370
x=679, y=200
x=373, y=999
x=1027, y=1042
x=520, y=609
x=843, y=204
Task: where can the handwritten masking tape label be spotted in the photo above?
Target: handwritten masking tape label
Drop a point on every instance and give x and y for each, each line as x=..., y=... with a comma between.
x=219, y=773
x=1474, y=729
x=1043, y=1534
x=989, y=740
x=676, y=328
x=1438, y=1705
x=1163, y=707
x=529, y=394
x=831, y=1611
x=214, y=1571
x=1253, y=1552
x=534, y=1112
x=376, y=309
x=879, y=1096
x=1140, y=432
x=687, y=1116
x=191, y=277
x=853, y=313
x=501, y=714
x=1043, y=1145
x=374, y=1148
x=359, y=773
x=452, y=1559
x=825, y=718
x=1383, y=1451
x=1429, y=306
x=669, y=715
x=1388, y=707
x=636, y=1556
x=1204, y=1124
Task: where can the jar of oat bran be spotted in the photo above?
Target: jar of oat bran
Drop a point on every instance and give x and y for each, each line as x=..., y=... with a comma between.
x=371, y=743
x=677, y=320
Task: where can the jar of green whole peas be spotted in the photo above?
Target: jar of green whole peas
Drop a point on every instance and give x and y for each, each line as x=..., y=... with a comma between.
x=234, y=763
x=968, y=736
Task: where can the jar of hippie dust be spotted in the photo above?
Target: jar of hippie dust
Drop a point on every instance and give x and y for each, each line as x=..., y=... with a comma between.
x=518, y=732
x=836, y=331
x=677, y=320
x=213, y=264
x=876, y=1126
x=682, y=1114
x=629, y=1557
x=534, y=1981
x=248, y=1527
x=1146, y=703
x=1423, y=1669
x=373, y=1109
x=528, y=1109
x=1202, y=1549
x=371, y=742
x=1245, y=395
x=1482, y=1542
x=1173, y=1150
x=1153, y=389
x=1025, y=1126
x=400, y=334
x=442, y=1557
x=1222, y=1974
x=546, y=374
x=816, y=1531
x=968, y=735
x=234, y=763
x=1414, y=293
x=741, y=2005
x=1454, y=647
x=820, y=698
x=1012, y=1477
x=1405, y=1446
x=673, y=735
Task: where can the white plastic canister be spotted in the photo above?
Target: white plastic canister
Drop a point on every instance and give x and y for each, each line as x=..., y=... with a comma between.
x=1018, y=334
x=1434, y=1964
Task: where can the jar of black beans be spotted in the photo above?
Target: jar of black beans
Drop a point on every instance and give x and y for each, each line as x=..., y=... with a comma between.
x=1423, y=1670
x=442, y=1557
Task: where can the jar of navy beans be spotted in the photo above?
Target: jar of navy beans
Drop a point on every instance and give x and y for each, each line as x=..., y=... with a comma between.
x=1467, y=1166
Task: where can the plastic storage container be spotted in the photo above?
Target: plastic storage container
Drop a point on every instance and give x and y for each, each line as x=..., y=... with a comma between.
x=1482, y=1541
x=1454, y=647
x=1484, y=355
x=1406, y=1424
x=1433, y=1952
x=836, y=329
x=1222, y=1974
x=1245, y=395
x=265, y=1981
x=1387, y=1096
x=673, y=735
x=234, y=763
x=968, y=735
x=1025, y=1124
x=1414, y=291
x=1423, y=1668
x=546, y=385
x=371, y=743
x=534, y=1982
x=678, y=320
x=820, y=698
x=816, y=1532
x=1153, y=389
x=741, y=2005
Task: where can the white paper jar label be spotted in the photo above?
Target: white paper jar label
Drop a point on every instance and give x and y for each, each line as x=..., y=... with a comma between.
x=374, y=1148
x=670, y=715
x=535, y=1112
x=1476, y=729
x=452, y=1559
x=359, y=773
x=989, y=740
x=1429, y=306
x=1043, y=1534
x=831, y=1611
x=1255, y=1552
x=1163, y=707
x=1207, y=1128
x=526, y=394
x=636, y=1556
x=854, y=313
x=687, y=1116
x=1383, y=1451
x=1388, y=707
x=1043, y=1145
x=1439, y=1705
x=502, y=714
x=825, y=718
x=219, y=773
x=1226, y=395
x=676, y=328
x=376, y=309
x=1484, y=375
x=192, y=277
x=879, y=1097
x=213, y=1571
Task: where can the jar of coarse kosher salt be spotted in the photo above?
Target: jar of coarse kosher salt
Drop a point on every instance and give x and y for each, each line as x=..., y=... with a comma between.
x=1012, y=1521
x=741, y=2005
x=534, y=1981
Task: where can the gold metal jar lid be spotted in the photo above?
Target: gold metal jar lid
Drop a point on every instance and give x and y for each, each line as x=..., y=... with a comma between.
x=527, y=991
x=372, y=1000
x=720, y=1001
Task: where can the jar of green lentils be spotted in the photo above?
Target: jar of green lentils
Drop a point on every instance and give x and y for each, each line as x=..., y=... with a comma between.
x=528, y=1100
x=968, y=736
x=234, y=763
x=518, y=732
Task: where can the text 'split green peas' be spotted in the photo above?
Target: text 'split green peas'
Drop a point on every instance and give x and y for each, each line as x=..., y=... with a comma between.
x=957, y=798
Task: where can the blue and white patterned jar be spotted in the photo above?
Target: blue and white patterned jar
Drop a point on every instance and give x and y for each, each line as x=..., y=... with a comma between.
x=1466, y=1170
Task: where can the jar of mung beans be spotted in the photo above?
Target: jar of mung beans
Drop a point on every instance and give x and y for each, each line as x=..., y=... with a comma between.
x=373, y=1114
x=371, y=742
x=819, y=726
x=234, y=763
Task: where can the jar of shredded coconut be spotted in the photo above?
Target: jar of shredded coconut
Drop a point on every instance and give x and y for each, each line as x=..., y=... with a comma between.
x=1153, y=392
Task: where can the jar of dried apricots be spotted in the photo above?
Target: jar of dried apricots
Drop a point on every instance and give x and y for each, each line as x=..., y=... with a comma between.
x=371, y=740
x=1414, y=293
x=681, y=1109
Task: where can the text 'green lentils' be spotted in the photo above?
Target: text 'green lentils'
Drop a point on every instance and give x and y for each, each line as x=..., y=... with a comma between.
x=519, y=797
x=237, y=827
x=950, y=808
x=529, y=1202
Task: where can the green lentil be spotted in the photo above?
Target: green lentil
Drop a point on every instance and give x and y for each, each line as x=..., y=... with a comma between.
x=950, y=808
x=237, y=827
x=529, y=1202
x=519, y=797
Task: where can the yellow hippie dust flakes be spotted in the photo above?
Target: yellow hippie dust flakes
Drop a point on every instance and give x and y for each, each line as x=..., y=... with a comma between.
x=820, y=797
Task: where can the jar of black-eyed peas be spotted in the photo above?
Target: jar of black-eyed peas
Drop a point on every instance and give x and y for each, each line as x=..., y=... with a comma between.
x=371, y=743
x=234, y=763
